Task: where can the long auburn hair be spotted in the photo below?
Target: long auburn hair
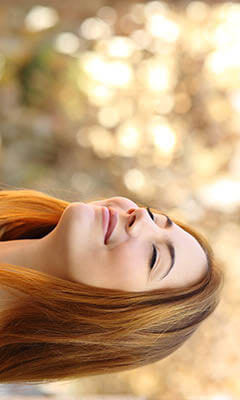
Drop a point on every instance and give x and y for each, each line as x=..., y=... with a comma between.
x=63, y=330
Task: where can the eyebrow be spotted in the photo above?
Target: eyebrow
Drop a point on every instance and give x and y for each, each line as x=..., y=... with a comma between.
x=170, y=247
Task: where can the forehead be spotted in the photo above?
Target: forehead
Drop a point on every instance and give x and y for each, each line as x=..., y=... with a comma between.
x=185, y=241
x=190, y=258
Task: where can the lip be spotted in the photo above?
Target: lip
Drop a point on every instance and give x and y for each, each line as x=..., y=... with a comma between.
x=113, y=217
x=105, y=219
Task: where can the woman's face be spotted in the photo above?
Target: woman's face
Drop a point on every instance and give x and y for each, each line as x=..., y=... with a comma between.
x=124, y=261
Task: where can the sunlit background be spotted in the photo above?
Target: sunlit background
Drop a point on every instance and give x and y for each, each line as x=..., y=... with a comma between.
x=136, y=99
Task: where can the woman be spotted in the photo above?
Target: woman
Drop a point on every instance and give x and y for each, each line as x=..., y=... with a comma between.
x=83, y=300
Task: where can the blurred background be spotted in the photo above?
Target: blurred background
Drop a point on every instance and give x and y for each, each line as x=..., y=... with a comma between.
x=137, y=99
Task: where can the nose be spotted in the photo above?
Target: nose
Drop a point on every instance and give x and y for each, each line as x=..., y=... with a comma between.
x=138, y=213
x=141, y=223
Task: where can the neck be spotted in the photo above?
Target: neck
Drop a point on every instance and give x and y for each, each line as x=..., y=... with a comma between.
x=38, y=254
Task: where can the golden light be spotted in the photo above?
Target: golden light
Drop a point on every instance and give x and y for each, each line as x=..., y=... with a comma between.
x=163, y=136
x=101, y=141
x=100, y=94
x=234, y=98
x=120, y=46
x=108, y=116
x=223, y=193
x=141, y=38
x=40, y=17
x=222, y=66
x=135, y=180
x=108, y=14
x=162, y=27
x=94, y=28
x=111, y=73
x=128, y=138
x=198, y=10
x=156, y=74
x=67, y=43
x=158, y=77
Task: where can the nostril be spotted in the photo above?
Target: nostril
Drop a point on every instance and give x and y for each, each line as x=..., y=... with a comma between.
x=132, y=220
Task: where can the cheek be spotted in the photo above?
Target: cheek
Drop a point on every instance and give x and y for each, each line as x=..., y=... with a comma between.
x=126, y=265
x=119, y=268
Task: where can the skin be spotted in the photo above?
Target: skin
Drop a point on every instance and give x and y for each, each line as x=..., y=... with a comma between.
x=75, y=249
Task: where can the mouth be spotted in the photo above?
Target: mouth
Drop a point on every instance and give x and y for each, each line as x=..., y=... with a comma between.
x=113, y=217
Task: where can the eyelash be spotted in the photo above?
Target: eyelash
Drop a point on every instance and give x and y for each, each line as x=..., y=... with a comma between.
x=154, y=248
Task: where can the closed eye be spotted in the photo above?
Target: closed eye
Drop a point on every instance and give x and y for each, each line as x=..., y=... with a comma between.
x=154, y=257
